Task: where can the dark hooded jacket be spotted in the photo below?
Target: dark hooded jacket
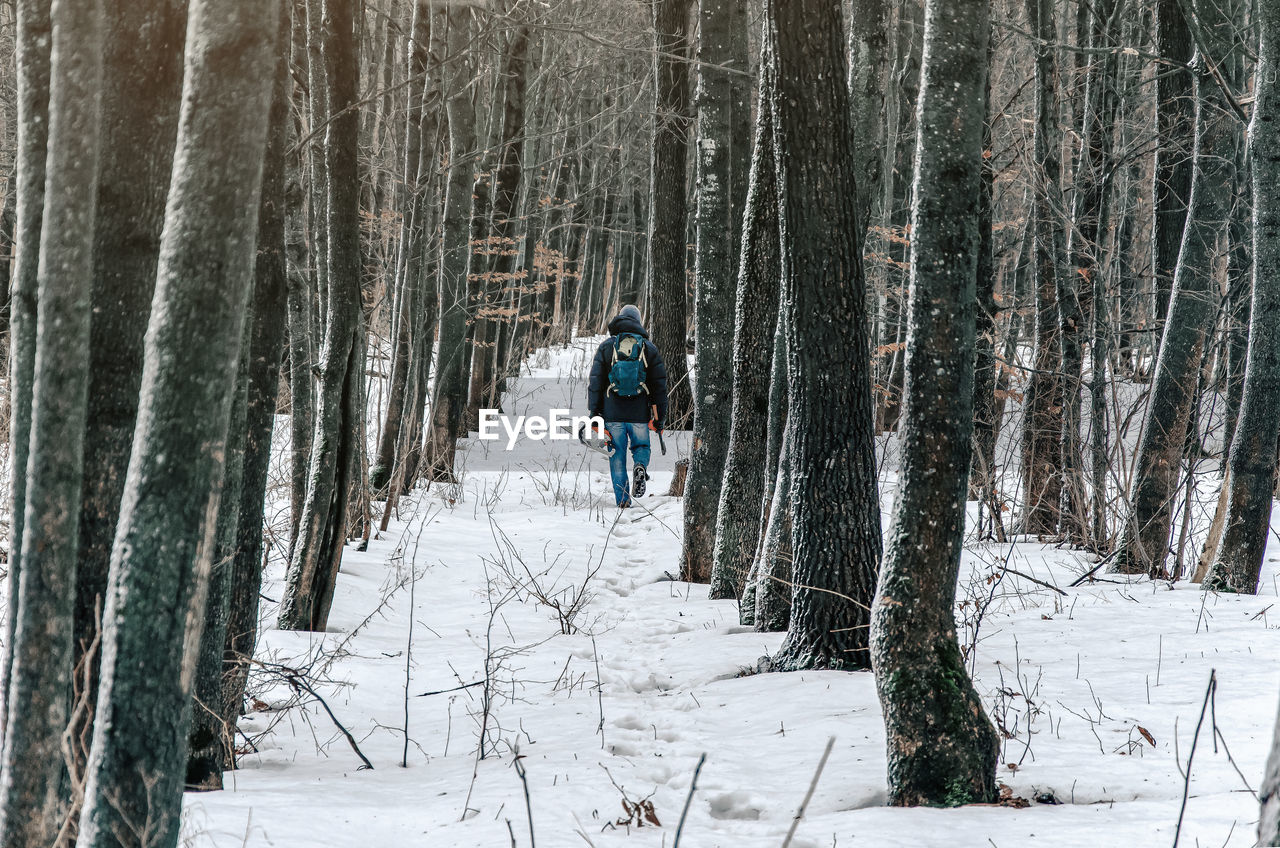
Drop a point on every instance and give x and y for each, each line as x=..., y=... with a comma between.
x=633, y=410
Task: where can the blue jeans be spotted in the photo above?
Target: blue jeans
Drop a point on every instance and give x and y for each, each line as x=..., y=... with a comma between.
x=620, y=433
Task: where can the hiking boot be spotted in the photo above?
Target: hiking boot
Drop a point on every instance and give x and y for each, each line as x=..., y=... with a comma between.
x=638, y=478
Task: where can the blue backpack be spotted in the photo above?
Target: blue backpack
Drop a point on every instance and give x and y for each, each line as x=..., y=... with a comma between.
x=626, y=376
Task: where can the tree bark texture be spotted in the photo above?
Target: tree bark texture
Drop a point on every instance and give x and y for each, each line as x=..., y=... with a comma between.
x=408, y=277
x=449, y=392
x=322, y=530
x=1175, y=130
x=266, y=343
x=668, y=224
x=835, y=505
x=34, y=31
x=1043, y=424
x=164, y=545
x=737, y=534
x=1145, y=541
x=31, y=811
x=208, y=739
x=869, y=34
x=141, y=94
x=1251, y=469
x=986, y=424
x=942, y=747
x=714, y=277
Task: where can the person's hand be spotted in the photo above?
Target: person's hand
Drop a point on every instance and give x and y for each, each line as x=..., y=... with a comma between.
x=654, y=425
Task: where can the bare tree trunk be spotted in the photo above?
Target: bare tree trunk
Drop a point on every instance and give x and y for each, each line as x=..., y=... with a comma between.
x=266, y=343
x=384, y=469
x=1265, y=290
x=1086, y=520
x=161, y=560
x=1145, y=542
x=33, y=38
x=668, y=225
x=318, y=110
x=986, y=425
x=32, y=812
x=737, y=534
x=869, y=34
x=714, y=303
x=507, y=187
x=1236, y=312
x=892, y=215
x=835, y=506
x=1269, y=795
x=1175, y=128
x=231, y=612
x=208, y=742
x=141, y=94
x=773, y=584
x=1043, y=427
x=303, y=281
x=942, y=747
x=1247, y=490
x=313, y=568
x=476, y=338
x=449, y=393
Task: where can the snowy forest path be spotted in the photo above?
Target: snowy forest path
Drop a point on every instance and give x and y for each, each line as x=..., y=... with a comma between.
x=521, y=613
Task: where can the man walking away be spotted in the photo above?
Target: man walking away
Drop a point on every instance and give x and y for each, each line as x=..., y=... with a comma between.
x=628, y=389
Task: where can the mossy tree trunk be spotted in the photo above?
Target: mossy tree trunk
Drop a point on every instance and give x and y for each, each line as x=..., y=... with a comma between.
x=942, y=747
x=164, y=544
x=141, y=94
x=231, y=616
x=208, y=740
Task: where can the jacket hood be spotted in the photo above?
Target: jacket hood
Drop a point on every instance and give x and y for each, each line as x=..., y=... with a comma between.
x=627, y=321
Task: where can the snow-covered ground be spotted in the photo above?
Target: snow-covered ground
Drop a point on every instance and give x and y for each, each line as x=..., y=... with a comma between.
x=594, y=684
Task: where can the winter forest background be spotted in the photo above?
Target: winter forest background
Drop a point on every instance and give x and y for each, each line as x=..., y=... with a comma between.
x=971, y=311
